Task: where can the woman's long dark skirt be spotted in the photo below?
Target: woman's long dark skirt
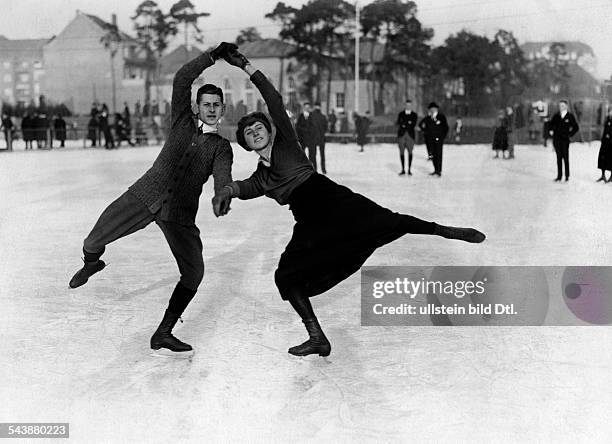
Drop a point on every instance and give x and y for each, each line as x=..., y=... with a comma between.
x=336, y=230
x=604, y=160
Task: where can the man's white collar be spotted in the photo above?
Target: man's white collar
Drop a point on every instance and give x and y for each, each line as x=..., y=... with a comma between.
x=205, y=128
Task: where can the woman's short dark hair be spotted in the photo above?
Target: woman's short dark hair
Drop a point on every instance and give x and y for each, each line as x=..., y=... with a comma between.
x=249, y=120
x=209, y=88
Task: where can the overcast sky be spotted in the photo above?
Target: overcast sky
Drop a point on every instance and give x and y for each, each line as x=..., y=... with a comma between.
x=589, y=21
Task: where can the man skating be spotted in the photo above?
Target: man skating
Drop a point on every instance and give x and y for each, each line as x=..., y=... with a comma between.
x=168, y=193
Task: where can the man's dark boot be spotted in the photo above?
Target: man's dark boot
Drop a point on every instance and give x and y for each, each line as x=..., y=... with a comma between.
x=317, y=344
x=162, y=338
x=464, y=234
x=89, y=269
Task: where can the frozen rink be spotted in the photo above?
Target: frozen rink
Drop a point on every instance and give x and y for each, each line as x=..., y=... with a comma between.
x=82, y=356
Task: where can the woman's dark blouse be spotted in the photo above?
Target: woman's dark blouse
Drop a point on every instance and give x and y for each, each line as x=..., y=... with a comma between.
x=289, y=166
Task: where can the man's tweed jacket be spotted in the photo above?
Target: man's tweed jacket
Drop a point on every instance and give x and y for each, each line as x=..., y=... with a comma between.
x=173, y=184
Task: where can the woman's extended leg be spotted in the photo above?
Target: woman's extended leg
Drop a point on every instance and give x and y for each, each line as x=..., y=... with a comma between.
x=414, y=225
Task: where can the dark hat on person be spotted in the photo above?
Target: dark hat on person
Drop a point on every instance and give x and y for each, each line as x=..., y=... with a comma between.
x=249, y=120
x=433, y=105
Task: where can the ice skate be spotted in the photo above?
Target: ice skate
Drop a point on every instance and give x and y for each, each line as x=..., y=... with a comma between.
x=89, y=269
x=163, y=343
x=465, y=234
x=316, y=344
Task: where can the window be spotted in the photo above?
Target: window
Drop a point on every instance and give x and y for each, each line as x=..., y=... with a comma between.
x=24, y=65
x=8, y=92
x=24, y=78
x=7, y=78
x=340, y=100
x=38, y=65
x=6, y=65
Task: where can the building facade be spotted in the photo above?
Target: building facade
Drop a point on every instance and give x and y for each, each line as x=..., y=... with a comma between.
x=21, y=71
x=79, y=69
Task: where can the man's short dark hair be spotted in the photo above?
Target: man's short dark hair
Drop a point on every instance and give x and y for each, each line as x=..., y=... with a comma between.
x=317, y=104
x=564, y=101
x=209, y=88
x=408, y=100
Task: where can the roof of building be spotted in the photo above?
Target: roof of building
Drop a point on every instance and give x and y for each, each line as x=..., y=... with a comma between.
x=571, y=46
x=106, y=25
x=171, y=62
x=22, y=45
x=266, y=48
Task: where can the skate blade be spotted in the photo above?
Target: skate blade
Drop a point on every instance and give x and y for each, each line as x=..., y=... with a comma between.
x=165, y=353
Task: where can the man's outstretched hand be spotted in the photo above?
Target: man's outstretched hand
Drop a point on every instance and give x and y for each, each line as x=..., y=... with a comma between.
x=221, y=50
x=221, y=202
x=234, y=57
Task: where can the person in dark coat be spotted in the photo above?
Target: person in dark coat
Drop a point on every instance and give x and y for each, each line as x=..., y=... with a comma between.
x=604, y=160
x=92, y=130
x=406, y=123
x=27, y=124
x=500, y=136
x=336, y=229
x=7, y=129
x=105, y=128
x=59, y=130
x=435, y=129
x=332, y=122
x=169, y=192
x=362, y=127
x=562, y=127
x=304, y=128
x=319, y=126
x=121, y=131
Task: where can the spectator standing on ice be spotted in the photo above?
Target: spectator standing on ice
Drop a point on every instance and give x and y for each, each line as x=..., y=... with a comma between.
x=604, y=160
x=406, y=123
x=435, y=130
x=563, y=126
x=319, y=125
x=500, y=135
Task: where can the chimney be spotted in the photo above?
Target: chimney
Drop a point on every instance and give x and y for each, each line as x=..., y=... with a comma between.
x=114, y=20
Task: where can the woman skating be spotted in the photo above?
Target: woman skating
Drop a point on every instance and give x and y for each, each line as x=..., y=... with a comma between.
x=336, y=230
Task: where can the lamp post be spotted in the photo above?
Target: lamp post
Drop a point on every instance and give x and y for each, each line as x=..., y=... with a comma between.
x=112, y=40
x=357, y=57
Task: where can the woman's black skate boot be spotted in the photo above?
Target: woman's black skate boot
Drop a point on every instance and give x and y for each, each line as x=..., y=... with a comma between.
x=317, y=344
x=465, y=234
x=163, y=338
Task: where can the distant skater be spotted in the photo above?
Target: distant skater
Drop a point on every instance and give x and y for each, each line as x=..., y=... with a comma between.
x=435, y=130
x=336, y=230
x=500, y=136
x=562, y=127
x=406, y=123
x=604, y=160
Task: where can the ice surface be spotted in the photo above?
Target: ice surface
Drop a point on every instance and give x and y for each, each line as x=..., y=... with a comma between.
x=82, y=356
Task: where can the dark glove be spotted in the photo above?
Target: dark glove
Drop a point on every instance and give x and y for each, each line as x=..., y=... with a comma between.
x=221, y=50
x=236, y=58
x=221, y=202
